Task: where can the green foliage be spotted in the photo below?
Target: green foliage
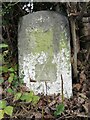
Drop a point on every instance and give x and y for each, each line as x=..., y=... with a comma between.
x=30, y=97
x=24, y=96
x=1, y=58
x=3, y=46
x=11, y=69
x=10, y=79
x=27, y=97
x=17, y=96
x=12, y=83
x=1, y=80
x=7, y=68
x=59, y=109
x=1, y=114
x=35, y=99
x=7, y=8
x=9, y=90
x=3, y=69
x=8, y=110
x=2, y=104
x=5, y=109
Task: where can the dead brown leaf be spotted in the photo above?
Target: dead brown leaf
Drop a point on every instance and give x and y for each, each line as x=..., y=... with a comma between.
x=1, y=90
x=47, y=110
x=86, y=106
x=82, y=77
x=77, y=86
x=48, y=117
x=79, y=63
x=52, y=103
x=24, y=88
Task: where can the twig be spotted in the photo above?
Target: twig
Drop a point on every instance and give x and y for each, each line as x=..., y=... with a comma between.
x=72, y=116
x=46, y=87
x=65, y=117
x=81, y=14
x=7, y=98
x=62, y=88
x=24, y=109
x=42, y=113
x=17, y=114
x=84, y=116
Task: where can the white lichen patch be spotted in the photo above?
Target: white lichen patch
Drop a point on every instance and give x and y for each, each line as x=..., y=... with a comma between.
x=29, y=63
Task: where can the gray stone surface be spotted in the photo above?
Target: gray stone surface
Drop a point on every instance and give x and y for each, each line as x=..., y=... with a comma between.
x=44, y=52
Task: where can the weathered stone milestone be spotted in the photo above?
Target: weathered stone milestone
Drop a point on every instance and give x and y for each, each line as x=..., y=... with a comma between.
x=44, y=52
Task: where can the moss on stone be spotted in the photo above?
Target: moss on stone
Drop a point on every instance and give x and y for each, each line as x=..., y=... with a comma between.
x=43, y=41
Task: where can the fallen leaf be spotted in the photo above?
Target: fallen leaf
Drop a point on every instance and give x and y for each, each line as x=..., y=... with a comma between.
x=88, y=94
x=89, y=107
x=77, y=86
x=82, y=77
x=47, y=110
x=1, y=90
x=78, y=62
x=24, y=88
x=37, y=115
x=81, y=100
x=52, y=103
x=49, y=117
x=82, y=95
x=85, y=106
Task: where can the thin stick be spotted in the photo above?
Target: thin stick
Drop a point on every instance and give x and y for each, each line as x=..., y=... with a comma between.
x=62, y=88
x=46, y=87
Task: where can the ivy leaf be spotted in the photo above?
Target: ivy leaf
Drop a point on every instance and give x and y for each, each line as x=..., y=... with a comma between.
x=24, y=96
x=3, y=45
x=29, y=99
x=1, y=114
x=17, y=96
x=31, y=93
x=0, y=69
x=3, y=69
x=35, y=99
x=27, y=96
x=1, y=80
x=16, y=67
x=10, y=79
x=1, y=58
x=11, y=69
x=2, y=103
x=15, y=77
x=8, y=110
x=30, y=96
x=59, y=109
x=9, y=90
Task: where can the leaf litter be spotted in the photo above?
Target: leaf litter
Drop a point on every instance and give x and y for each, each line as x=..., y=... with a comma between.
x=77, y=107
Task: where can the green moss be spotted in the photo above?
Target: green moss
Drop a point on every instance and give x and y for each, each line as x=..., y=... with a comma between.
x=43, y=41
x=40, y=40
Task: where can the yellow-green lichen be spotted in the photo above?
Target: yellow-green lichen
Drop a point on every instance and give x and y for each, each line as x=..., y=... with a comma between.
x=43, y=41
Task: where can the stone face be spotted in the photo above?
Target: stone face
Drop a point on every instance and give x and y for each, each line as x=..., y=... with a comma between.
x=44, y=52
